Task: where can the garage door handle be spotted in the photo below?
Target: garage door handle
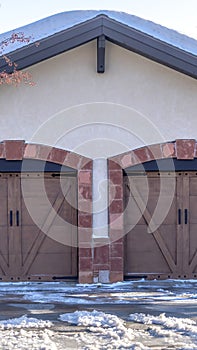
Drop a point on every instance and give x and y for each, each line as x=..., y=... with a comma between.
x=11, y=218
x=186, y=216
x=179, y=216
x=17, y=218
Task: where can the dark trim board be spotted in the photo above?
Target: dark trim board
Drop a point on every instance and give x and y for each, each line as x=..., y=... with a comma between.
x=115, y=32
x=101, y=54
x=32, y=165
x=162, y=165
x=150, y=47
x=54, y=45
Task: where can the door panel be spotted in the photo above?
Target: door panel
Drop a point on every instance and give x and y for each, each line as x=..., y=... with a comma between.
x=140, y=258
x=151, y=225
x=50, y=251
x=178, y=229
x=169, y=235
x=38, y=226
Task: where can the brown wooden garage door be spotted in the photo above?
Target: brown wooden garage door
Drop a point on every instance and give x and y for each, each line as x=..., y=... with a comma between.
x=38, y=226
x=161, y=225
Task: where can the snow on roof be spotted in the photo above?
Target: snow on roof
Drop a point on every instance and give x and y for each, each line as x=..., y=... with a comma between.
x=59, y=22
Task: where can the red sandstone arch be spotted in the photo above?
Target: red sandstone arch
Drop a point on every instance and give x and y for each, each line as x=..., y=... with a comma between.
x=19, y=150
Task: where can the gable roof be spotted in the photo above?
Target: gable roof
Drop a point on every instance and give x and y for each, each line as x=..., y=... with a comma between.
x=62, y=32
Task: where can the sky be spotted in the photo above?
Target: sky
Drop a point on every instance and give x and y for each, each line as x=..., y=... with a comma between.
x=180, y=15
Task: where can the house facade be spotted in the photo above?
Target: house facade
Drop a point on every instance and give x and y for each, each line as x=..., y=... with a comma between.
x=98, y=170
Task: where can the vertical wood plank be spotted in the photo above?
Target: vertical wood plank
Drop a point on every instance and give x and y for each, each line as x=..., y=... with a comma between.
x=192, y=220
x=14, y=231
x=4, y=239
x=185, y=237
x=11, y=210
x=179, y=244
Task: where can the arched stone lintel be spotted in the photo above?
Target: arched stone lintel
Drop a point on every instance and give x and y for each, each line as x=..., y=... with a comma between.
x=180, y=149
x=19, y=150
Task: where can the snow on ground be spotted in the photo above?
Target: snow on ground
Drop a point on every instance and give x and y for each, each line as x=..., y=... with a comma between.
x=24, y=322
x=131, y=292
x=25, y=333
x=180, y=324
x=54, y=297
x=73, y=300
x=105, y=331
x=139, y=324
x=119, y=293
x=181, y=330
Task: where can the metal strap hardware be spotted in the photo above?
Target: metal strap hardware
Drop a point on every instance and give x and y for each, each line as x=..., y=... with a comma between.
x=11, y=218
x=186, y=216
x=179, y=216
x=17, y=218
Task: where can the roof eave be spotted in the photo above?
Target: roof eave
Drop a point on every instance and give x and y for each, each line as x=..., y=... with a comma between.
x=150, y=47
x=54, y=45
x=114, y=31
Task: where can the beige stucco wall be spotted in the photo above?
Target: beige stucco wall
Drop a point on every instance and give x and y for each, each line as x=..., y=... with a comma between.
x=135, y=102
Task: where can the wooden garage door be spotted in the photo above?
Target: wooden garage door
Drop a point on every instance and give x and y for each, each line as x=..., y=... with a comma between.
x=38, y=226
x=161, y=225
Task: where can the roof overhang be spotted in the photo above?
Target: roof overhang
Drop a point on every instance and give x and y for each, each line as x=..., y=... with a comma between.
x=115, y=32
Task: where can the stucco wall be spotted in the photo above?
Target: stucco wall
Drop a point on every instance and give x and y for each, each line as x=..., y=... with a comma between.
x=135, y=102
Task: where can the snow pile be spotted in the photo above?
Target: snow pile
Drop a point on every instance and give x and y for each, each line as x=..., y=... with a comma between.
x=180, y=324
x=24, y=322
x=182, y=331
x=105, y=331
x=25, y=333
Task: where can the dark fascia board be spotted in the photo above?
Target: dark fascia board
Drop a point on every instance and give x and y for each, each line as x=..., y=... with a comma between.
x=150, y=47
x=115, y=32
x=54, y=45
